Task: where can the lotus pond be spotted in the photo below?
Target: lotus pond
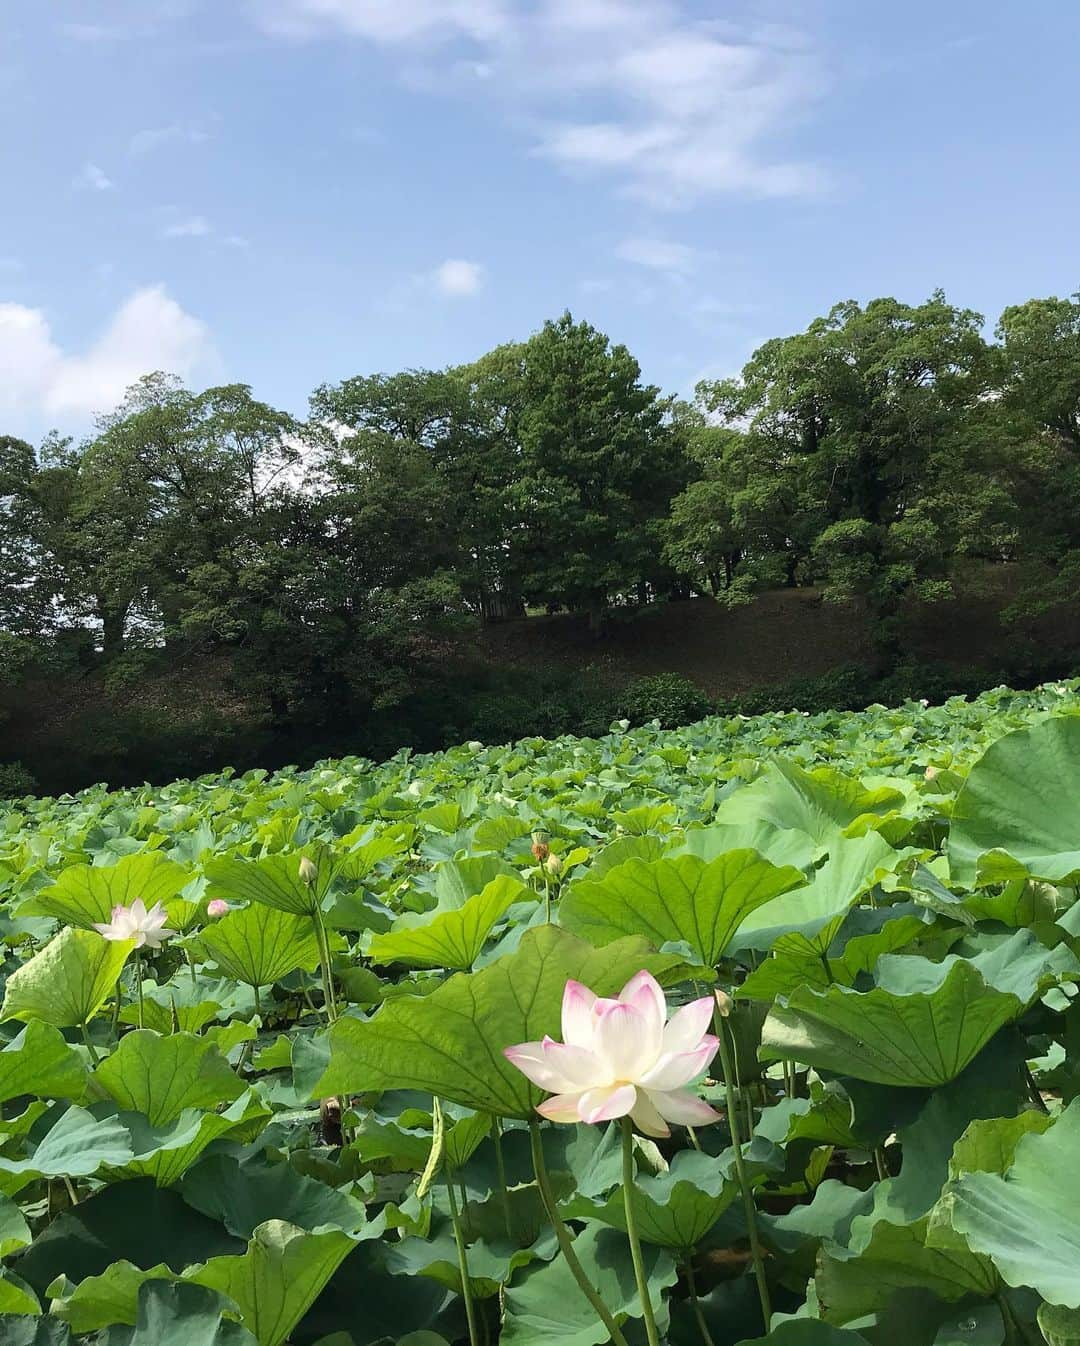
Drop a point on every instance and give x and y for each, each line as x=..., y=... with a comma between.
x=761, y=1030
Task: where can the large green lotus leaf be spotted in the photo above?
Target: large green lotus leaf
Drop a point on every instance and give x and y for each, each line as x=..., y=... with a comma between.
x=112, y=1297
x=491, y=1265
x=450, y=938
x=810, y=916
x=15, y=1331
x=1028, y=1222
x=989, y=1144
x=259, y=945
x=1060, y=1327
x=68, y=981
x=454, y=882
x=545, y=1306
x=923, y=1022
x=125, y=1222
x=279, y=1276
x=85, y=894
x=14, y=1231
x=852, y=1285
x=180, y=1314
x=166, y=1152
x=244, y=1196
x=38, y=1061
x=273, y=880
x=808, y=1332
x=822, y=803
x=676, y=900
x=1014, y=814
x=76, y=1146
x=16, y=1296
x=783, y=973
x=162, y=1076
x=450, y=1043
x=783, y=846
x=675, y=1209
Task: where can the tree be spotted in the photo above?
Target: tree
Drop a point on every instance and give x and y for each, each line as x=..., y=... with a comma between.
x=867, y=415
x=598, y=459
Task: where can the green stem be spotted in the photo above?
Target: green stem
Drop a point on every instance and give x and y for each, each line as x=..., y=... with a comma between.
x=632, y=1233
x=500, y=1166
x=879, y=1163
x=463, y=1261
x=740, y=1169
x=695, y=1303
x=89, y=1045
x=138, y=983
x=324, y=964
x=827, y=966
x=566, y=1243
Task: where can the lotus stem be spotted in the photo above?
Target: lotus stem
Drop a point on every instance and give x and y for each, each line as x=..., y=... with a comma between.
x=324, y=963
x=138, y=983
x=632, y=1232
x=566, y=1242
x=500, y=1166
x=89, y=1045
x=740, y=1168
x=463, y=1261
x=695, y=1302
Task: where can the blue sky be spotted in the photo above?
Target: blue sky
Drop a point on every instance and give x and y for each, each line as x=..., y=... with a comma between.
x=284, y=192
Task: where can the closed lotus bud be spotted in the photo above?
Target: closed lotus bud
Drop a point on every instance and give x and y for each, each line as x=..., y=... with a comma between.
x=724, y=1003
x=540, y=847
x=553, y=864
x=308, y=872
x=218, y=907
x=931, y=772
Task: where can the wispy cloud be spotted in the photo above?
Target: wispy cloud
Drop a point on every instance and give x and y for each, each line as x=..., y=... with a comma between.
x=658, y=255
x=91, y=178
x=191, y=226
x=161, y=137
x=671, y=107
x=457, y=278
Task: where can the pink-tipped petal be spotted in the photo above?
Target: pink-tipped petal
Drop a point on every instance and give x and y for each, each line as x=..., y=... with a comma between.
x=604, y=1105
x=531, y=1059
x=672, y=1072
x=688, y=1025
x=644, y=993
x=682, y=1107
x=574, y=1064
x=622, y=1044
x=645, y=1117
x=577, y=1014
x=560, y=1108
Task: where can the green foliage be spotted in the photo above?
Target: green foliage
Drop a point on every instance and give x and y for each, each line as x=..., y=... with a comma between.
x=893, y=918
x=667, y=697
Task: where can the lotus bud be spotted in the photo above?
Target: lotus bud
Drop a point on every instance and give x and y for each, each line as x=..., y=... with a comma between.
x=308, y=872
x=540, y=847
x=931, y=772
x=553, y=864
x=218, y=907
x=724, y=1003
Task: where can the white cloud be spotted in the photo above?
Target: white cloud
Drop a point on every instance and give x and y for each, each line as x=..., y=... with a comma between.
x=658, y=254
x=191, y=226
x=458, y=278
x=158, y=137
x=93, y=179
x=149, y=331
x=383, y=21
x=673, y=108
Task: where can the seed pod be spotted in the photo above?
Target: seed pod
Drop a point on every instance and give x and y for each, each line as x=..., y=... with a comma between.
x=540, y=845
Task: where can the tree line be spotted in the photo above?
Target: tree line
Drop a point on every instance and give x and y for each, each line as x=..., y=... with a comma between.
x=880, y=454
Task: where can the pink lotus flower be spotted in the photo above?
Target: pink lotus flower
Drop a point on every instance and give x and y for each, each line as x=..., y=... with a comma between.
x=146, y=928
x=623, y=1057
x=217, y=907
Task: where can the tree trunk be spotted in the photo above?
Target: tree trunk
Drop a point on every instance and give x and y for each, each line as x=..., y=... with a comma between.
x=113, y=621
x=597, y=610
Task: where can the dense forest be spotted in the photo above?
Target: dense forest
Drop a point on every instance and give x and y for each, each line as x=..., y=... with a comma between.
x=334, y=566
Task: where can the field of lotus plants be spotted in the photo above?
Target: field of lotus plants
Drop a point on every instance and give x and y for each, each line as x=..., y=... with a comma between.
x=757, y=1031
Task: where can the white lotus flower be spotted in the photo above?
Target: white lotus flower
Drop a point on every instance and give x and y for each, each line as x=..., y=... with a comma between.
x=623, y=1057
x=146, y=928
